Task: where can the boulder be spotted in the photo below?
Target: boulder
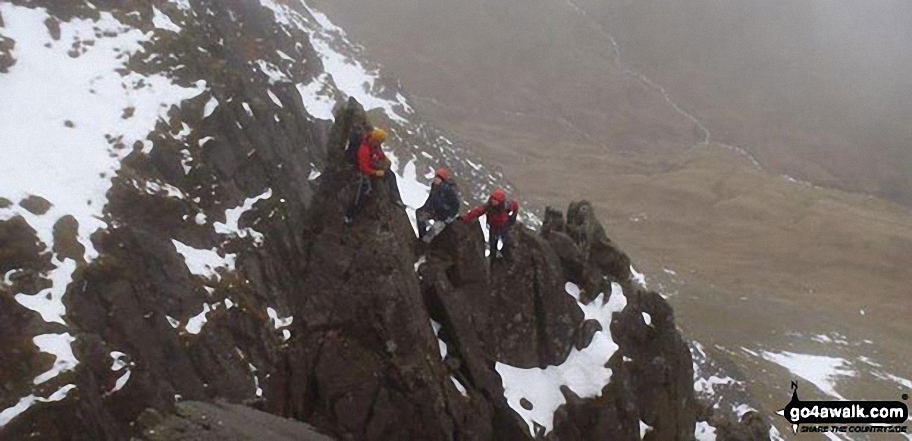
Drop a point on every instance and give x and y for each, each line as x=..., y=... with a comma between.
x=532, y=318
x=751, y=427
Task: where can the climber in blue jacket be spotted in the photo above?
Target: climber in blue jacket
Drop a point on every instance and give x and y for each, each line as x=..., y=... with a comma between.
x=442, y=206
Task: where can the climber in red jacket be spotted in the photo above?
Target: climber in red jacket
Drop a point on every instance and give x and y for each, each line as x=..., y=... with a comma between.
x=374, y=166
x=501, y=215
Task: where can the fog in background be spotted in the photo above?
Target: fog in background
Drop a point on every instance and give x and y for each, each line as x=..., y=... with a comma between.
x=819, y=90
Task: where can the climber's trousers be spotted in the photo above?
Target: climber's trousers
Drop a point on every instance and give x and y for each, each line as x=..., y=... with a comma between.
x=366, y=186
x=500, y=234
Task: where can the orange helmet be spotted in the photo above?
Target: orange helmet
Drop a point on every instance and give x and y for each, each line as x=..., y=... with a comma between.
x=377, y=137
x=499, y=196
x=443, y=173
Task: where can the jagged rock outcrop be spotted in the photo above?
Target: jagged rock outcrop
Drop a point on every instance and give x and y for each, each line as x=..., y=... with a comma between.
x=658, y=363
x=533, y=320
x=457, y=291
x=364, y=340
x=521, y=310
x=653, y=372
x=652, y=379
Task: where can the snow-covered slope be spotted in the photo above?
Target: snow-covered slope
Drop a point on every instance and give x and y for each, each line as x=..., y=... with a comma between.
x=63, y=133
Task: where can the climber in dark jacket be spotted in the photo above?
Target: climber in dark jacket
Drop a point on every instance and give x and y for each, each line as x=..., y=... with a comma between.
x=442, y=206
x=501, y=215
x=374, y=167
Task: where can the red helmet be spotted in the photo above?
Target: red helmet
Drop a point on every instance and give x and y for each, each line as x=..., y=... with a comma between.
x=499, y=196
x=443, y=173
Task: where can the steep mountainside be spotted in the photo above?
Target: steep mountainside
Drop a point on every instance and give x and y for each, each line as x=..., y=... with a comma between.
x=171, y=240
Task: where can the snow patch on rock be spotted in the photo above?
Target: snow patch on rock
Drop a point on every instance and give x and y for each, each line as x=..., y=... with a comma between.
x=273, y=72
x=318, y=97
x=49, y=301
x=639, y=278
x=742, y=409
x=443, y=347
x=704, y=432
x=120, y=364
x=161, y=21
x=644, y=428
x=183, y=4
x=196, y=323
x=205, y=262
x=583, y=371
x=58, y=345
x=233, y=216
x=274, y=98
x=256, y=379
x=819, y=370
x=459, y=386
x=277, y=321
x=25, y=403
x=209, y=108
x=413, y=192
x=704, y=386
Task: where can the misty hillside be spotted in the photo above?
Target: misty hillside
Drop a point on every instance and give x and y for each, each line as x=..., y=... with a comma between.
x=175, y=266
x=816, y=90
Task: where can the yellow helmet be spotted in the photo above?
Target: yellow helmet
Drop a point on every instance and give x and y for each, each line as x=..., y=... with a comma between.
x=377, y=136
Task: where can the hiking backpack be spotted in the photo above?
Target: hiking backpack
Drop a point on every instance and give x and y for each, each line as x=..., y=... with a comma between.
x=355, y=139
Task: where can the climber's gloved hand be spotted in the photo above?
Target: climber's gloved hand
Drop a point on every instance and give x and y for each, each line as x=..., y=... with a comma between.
x=379, y=173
